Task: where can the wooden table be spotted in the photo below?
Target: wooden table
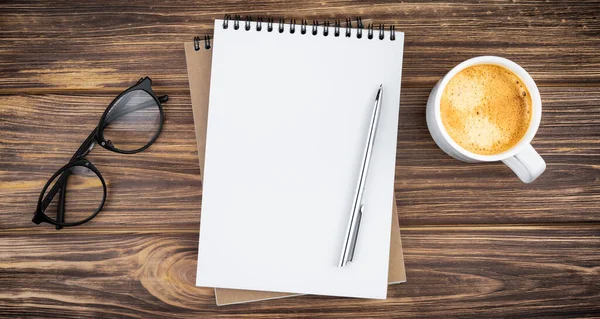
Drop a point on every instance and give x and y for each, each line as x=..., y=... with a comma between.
x=478, y=242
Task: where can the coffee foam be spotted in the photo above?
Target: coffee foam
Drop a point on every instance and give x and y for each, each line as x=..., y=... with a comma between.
x=486, y=109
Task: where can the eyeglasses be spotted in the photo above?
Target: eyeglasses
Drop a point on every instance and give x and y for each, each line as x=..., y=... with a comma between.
x=130, y=124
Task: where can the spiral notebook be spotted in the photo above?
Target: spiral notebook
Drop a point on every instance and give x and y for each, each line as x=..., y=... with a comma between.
x=199, y=60
x=288, y=112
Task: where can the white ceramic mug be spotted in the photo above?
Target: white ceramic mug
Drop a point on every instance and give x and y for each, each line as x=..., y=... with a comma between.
x=521, y=158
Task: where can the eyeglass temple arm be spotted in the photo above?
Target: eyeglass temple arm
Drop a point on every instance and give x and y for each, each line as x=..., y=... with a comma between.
x=81, y=151
x=60, y=209
x=62, y=179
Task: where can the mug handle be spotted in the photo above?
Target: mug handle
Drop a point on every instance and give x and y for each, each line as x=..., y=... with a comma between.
x=527, y=164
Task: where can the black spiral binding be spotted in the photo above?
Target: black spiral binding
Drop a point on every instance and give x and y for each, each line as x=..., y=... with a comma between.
x=337, y=25
x=197, y=42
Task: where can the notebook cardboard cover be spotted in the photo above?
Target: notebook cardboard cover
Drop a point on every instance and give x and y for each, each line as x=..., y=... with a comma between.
x=199, y=67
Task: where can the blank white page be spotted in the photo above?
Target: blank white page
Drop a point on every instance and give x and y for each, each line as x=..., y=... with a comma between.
x=287, y=125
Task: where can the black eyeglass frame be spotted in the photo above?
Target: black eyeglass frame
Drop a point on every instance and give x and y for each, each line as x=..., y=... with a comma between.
x=78, y=159
x=144, y=85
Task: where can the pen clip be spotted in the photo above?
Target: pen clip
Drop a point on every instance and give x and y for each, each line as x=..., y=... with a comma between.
x=355, y=234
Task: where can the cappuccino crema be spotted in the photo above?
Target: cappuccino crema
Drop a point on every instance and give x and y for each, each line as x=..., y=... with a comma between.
x=486, y=109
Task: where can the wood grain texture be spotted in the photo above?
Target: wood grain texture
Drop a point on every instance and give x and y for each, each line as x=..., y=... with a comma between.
x=451, y=273
x=103, y=45
x=478, y=243
x=161, y=187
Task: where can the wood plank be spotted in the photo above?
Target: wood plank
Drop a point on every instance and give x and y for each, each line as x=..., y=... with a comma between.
x=72, y=45
x=451, y=273
x=160, y=187
x=433, y=188
x=155, y=188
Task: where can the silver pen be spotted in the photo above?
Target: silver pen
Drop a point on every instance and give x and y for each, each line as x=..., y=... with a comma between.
x=357, y=207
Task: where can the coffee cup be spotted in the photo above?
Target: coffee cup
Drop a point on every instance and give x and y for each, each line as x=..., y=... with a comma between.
x=520, y=157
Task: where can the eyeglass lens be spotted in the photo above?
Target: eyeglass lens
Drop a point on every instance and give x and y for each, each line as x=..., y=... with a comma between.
x=133, y=121
x=83, y=196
